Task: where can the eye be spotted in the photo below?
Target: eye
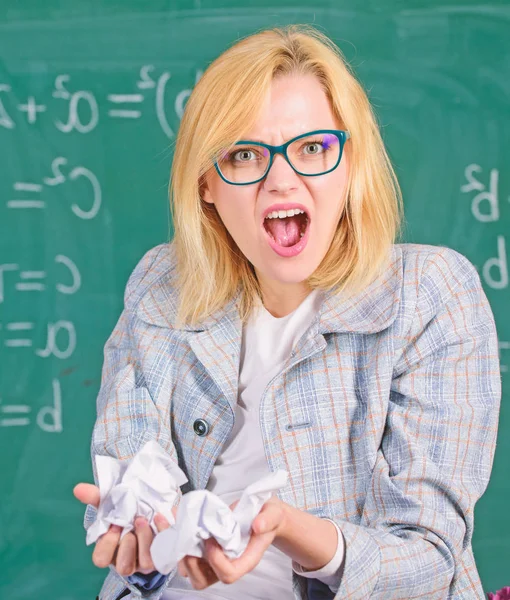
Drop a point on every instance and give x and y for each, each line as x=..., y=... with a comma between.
x=245, y=155
x=316, y=147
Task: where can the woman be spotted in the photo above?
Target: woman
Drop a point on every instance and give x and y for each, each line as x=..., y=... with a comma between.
x=307, y=340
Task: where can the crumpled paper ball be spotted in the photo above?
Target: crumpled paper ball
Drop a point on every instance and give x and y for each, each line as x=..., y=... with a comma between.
x=202, y=514
x=142, y=487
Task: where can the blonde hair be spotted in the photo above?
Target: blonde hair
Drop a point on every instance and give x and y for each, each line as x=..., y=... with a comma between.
x=224, y=104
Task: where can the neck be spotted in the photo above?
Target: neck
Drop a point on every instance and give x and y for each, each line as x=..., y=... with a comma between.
x=280, y=299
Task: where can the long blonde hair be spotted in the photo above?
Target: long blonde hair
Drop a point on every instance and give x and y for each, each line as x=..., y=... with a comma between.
x=223, y=105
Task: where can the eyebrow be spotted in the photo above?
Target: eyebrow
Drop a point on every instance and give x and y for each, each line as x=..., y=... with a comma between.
x=253, y=138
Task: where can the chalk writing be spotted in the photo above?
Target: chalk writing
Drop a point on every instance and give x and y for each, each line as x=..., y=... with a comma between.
x=70, y=284
x=48, y=418
x=82, y=111
x=485, y=208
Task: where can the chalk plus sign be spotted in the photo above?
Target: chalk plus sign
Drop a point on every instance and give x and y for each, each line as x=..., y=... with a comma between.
x=31, y=108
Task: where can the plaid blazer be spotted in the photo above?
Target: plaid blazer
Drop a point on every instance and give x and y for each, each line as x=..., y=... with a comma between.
x=385, y=414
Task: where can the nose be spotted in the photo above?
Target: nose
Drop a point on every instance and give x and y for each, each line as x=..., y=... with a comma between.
x=281, y=176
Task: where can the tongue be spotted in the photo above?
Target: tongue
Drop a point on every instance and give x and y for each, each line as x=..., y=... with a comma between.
x=284, y=231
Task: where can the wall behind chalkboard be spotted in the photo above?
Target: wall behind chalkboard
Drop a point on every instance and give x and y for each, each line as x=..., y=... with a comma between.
x=91, y=95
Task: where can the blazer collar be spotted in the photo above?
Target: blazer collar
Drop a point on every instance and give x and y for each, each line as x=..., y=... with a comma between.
x=371, y=311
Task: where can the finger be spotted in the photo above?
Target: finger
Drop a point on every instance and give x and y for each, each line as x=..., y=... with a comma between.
x=87, y=493
x=199, y=572
x=161, y=522
x=126, y=555
x=144, y=536
x=220, y=563
x=254, y=551
x=204, y=568
x=230, y=570
x=208, y=571
x=190, y=564
x=106, y=546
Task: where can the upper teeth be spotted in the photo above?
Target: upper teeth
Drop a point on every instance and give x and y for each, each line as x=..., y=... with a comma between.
x=281, y=214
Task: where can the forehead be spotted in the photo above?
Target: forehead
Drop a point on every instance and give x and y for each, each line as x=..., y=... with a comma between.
x=293, y=105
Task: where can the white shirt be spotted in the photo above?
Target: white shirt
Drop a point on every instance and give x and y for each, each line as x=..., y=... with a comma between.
x=267, y=342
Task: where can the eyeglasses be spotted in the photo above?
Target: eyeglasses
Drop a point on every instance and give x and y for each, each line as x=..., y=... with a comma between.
x=310, y=154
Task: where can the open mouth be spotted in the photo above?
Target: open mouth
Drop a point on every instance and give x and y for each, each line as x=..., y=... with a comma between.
x=287, y=231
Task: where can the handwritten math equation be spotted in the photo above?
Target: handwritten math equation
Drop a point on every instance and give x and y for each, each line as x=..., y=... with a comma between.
x=29, y=194
x=48, y=418
x=81, y=108
x=60, y=336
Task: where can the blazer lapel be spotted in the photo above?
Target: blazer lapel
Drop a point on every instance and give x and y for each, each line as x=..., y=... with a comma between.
x=216, y=341
x=218, y=348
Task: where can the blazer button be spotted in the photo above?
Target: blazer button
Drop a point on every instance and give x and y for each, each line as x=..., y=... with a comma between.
x=201, y=427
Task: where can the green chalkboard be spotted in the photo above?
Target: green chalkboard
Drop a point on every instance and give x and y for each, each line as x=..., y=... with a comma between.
x=91, y=95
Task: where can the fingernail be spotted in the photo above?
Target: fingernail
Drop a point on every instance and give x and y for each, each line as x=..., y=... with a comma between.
x=115, y=528
x=140, y=522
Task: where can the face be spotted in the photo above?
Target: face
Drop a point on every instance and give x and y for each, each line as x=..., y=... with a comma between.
x=294, y=105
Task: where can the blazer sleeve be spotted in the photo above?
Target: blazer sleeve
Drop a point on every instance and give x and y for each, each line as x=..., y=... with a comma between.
x=437, y=450
x=127, y=417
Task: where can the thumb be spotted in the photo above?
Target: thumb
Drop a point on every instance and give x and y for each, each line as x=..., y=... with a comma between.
x=269, y=519
x=87, y=493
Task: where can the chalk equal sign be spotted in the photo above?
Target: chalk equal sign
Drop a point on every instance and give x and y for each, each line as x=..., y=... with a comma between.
x=14, y=409
x=19, y=342
x=21, y=186
x=123, y=113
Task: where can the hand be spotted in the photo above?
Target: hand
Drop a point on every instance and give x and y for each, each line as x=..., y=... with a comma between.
x=215, y=566
x=132, y=553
